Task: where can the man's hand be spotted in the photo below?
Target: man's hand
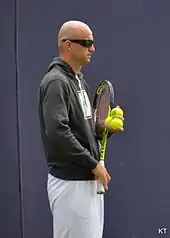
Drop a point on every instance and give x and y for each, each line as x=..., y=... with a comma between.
x=115, y=121
x=101, y=173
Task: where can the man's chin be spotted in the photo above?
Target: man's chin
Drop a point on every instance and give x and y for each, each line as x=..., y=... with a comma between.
x=88, y=60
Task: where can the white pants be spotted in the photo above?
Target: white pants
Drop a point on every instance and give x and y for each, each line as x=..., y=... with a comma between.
x=77, y=209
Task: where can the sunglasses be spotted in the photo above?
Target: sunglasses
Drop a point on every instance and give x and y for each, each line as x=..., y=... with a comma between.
x=85, y=43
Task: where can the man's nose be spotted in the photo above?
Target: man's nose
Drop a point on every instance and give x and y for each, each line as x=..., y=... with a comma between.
x=92, y=48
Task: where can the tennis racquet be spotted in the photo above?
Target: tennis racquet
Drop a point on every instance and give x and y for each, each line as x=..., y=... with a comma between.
x=102, y=104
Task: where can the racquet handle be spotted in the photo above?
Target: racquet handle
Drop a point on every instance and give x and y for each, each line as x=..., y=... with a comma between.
x=100, y=187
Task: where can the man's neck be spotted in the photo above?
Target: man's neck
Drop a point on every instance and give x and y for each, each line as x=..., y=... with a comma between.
x=76, y=68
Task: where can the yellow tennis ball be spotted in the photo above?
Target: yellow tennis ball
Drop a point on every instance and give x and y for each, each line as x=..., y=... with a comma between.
x=108, y=120
x=116, y=111
x=116, y=123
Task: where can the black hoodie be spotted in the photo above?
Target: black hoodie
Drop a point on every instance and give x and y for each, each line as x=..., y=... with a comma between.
x=68, y=134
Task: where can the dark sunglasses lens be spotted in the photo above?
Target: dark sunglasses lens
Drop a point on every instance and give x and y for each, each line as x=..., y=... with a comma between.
x=85, y=43
x=88, y=43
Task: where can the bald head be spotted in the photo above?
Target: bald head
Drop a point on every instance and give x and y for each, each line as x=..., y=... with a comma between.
x=75, y=44
x=71, y=30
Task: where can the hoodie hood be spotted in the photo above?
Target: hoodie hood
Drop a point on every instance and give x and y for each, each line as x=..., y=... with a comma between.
x=59, y=63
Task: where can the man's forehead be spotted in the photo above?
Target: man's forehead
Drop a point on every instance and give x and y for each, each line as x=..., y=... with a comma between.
x=84, y=33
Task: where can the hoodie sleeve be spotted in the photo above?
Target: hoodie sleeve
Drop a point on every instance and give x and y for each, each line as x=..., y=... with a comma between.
x=55, y=105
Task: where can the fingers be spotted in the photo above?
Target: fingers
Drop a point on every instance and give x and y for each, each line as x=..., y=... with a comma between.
x=101, y=173
x=120, y=117
x=118, y=130
x=106, y=179
x=111, y=130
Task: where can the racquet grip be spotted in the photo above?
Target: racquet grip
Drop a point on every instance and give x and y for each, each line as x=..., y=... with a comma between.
x=100, y=187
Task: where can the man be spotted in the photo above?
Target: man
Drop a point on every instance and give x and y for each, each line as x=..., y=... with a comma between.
x=68, y=136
